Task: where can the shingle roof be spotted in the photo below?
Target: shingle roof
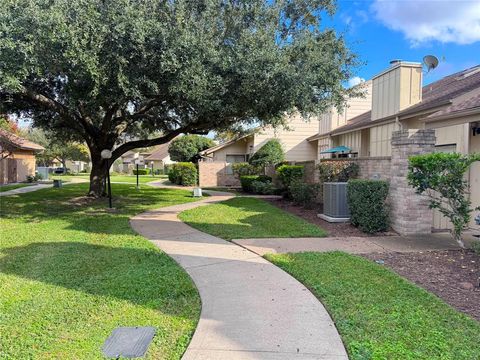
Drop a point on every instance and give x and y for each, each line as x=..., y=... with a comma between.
x=459, y=105
x=21, y=143
x=439, y=93
x=160, y=152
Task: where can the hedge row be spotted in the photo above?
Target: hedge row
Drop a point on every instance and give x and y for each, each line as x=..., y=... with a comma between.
x=145, y=171
x=247, y=181
x=367, y=203
x=183, y=173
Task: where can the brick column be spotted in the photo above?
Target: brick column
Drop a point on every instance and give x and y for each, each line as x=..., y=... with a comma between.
x=409, y=212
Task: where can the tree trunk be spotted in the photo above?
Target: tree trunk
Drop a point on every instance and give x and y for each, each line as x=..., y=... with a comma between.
x=98, y=177
x=458, y=238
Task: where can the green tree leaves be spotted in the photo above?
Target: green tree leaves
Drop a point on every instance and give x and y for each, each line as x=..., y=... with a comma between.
x=441, y=177
x=186, y=148
x=271, y=153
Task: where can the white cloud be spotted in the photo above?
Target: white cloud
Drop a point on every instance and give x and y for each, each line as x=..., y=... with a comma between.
x=355, y=81
x=447, y=21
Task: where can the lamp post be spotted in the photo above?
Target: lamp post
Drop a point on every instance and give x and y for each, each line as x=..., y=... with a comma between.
x=106, y=155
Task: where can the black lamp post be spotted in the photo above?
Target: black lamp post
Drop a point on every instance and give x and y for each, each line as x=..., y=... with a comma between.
x=106, y=155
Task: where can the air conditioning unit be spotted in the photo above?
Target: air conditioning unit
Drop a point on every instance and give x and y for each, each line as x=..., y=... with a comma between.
x=335, y=206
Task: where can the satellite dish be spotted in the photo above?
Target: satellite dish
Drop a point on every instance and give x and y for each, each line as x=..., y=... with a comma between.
x=431, y=62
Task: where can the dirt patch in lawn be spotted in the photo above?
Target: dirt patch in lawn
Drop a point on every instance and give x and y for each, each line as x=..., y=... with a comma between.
x=311, y=215
x=452, y=275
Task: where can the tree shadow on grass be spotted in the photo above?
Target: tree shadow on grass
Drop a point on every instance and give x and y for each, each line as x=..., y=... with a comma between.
x=141, y=276
x=78, y=212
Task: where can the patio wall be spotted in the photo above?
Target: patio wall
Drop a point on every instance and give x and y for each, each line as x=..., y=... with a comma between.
x=370, y=167
x=215, y=174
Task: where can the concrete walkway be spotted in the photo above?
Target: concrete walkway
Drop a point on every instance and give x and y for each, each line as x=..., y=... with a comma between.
x=25, y=189
x=30, y=188
x=250, y=308
x=354, y=245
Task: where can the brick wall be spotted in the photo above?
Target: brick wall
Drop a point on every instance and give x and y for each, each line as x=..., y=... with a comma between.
x=409, y=211
x=370, y=167
x=215, y=174
x=310, y=169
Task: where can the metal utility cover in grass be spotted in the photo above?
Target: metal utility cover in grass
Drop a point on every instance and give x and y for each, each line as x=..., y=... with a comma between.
x=128, y=342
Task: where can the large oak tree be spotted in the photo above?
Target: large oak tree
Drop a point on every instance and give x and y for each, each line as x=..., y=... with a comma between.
x=124, y=74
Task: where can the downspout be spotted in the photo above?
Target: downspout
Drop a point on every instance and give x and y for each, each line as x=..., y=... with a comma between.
x=397, y=121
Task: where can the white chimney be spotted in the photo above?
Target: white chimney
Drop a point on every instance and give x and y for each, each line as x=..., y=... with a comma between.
x=396, y=88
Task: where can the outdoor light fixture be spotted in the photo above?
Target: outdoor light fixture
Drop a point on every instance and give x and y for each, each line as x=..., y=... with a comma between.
x=139, y=161
x=475, y=129
x=107, y=155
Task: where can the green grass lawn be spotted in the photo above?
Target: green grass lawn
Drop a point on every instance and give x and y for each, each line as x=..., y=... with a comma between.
x=13, y=186
x=70, y=272
x=381, y=315
x=242, y=218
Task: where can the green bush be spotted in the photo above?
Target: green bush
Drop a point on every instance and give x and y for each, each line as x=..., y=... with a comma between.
x=264, y=188
x=441, y=177
x=145, y=171
x=243, y=168
x=247, y=180
x=338, y=171
x=366, y=200
x=476, y=247
x=304, y=194
x=183, y=173
x=288, y=173
x=271, y=153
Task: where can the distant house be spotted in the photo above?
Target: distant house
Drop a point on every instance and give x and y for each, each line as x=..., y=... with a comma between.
x=159, y=157
x=17, y=160
x=126, y=163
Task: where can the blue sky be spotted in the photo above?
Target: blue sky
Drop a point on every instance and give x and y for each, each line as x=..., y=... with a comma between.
x=382, y=30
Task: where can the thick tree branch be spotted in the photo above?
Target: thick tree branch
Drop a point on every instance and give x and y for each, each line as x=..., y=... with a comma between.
x=144, y=143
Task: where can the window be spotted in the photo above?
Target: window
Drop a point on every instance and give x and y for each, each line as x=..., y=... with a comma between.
x=231, y=159
x=235, y=158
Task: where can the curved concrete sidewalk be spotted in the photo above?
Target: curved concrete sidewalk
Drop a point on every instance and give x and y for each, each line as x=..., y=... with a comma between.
x=250, y=308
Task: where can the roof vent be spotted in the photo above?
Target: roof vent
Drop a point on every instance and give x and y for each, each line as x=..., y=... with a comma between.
x=395, y=61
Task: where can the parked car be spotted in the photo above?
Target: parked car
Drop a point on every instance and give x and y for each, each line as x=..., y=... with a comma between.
x=60, y=171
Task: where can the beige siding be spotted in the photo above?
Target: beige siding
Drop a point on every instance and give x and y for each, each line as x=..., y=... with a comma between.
x=380, y=139
x=352, y=140
x=474, y=177
x=293, y=139
x=456, y=134
x=410, y=86
x=237, y=148
x=325, y=123
x=25, y=164
x=396, y=89
x=322, y=145
x=354, y=107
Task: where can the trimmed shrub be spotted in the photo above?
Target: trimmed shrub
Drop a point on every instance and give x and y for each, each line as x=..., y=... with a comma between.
x=338, y=171
x=244, y=168
x=271, y=153
x=476, y=247
x=288, y=173
x=247, y=180
x=183, y=173
x=366, y=200
x=145, y=171
x=264, y=188
x=304, y=194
